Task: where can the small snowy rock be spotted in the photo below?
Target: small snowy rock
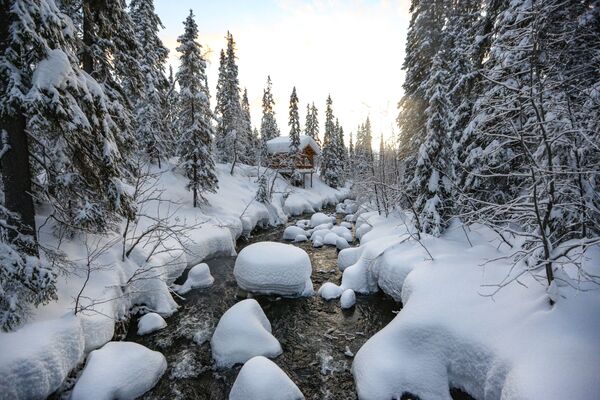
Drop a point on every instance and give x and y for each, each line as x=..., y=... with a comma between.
x=326, y=226
x=243, y=332
x=343, y=232
x=303, y=223
x=300, y=238
x=330, y=291
x=348, y=299
x=346, y=224
x=119, y=370
x=317, y=243
x=198, y=277
x=291, y=232
x=274, y=268
x=261, y=379
x=331, y=239
x=341, y=243
x=320, y=218
x=149, y=323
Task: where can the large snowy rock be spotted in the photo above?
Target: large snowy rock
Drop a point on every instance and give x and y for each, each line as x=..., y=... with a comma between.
x=119, y=370
x=274, y=268
x=243, y=332
x=149, y=323
x=320, y=218
x=198, y=277
x=291, y=232
x=261, y=379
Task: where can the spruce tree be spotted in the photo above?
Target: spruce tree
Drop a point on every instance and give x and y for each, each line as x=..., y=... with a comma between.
x=195, y=126
x=329, y=158
x=268, y=124
x=312, y=123
x=250, y=140
x=152, y=126
x=294, y=123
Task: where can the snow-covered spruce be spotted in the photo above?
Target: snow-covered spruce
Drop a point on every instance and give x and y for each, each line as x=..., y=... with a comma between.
x=119, y=370
x=243, y=332
x=198, y=277
x=149, y=323
x=261, y=379
x=274, y=268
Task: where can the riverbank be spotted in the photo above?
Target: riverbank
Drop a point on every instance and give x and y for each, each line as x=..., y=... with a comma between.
x=38, y=357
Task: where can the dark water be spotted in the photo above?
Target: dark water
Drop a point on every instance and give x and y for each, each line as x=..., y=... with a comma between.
x=315, y=334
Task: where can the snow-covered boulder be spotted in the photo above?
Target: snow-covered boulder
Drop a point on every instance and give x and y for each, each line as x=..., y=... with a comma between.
x=261, y=379
x=362, y=230
x=331, y=239
x=316, y=243
x=291, y=232
x=198, y=277
x=330, y=291
x=320, y=218
x=149, y=323
x=341, y=243
x=346, y=224
x=349, y=256
x=274, y=268
x=319, y=234
x=300, y=238
x=119, y=370
x=243, y=332
x=342, y=231
x=326, y=226
x=347, y=299
x=303, y=223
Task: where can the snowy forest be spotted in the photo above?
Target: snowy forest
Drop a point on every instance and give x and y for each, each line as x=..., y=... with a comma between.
x=157, y=242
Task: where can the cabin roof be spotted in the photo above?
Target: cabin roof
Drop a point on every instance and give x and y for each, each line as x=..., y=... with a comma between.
x=281, y=144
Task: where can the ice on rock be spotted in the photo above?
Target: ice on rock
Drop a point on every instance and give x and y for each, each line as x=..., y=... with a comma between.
x=300, y=238
x=243, y=332
x=342, y=231
x=341, y=243
x=320, y=218
x=274, y=268
x=331, y=239
x=198, y=277
x=348, y=299
x=119, y=370
x=291, y=232
x=330, y=291
x=261, y=379
x=149, y=323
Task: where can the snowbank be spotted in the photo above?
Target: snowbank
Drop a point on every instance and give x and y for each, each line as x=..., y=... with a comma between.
x=450, y=333
x=261, y=379
x=149, y=323
x=242, y=333
x=198, y=277
x=119, y=370
x=274, y=268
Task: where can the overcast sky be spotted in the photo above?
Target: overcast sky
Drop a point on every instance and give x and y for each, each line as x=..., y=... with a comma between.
x=352, y=49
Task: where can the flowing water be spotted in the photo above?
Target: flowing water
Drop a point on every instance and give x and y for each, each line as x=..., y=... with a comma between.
x=318, y=337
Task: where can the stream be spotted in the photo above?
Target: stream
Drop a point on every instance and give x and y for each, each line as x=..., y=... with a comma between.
x=315, y=334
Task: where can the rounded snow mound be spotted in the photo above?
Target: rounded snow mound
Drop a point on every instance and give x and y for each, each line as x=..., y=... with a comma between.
x=119, y=370
x=348, y=298
x=330, y=291
x=261, y=379
x=198, y=277
x=300, y=238
x=274, y=268
x=320, y=218
x=149, y=323
x=291, y=232
x=243, y=332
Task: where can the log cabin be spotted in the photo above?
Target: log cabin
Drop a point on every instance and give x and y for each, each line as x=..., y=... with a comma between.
x=282, y=160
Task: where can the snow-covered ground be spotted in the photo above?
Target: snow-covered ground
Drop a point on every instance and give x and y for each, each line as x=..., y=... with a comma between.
x=36, y=359
x=457, y=330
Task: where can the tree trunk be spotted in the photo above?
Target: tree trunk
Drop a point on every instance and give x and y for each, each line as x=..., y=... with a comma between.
x=87, y=59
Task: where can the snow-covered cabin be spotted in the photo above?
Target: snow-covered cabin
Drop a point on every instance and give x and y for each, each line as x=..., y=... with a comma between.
x=281, y=159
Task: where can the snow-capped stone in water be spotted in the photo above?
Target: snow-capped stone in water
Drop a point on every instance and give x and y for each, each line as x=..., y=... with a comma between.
x=341, y=243
x=320, y=218
x=343, y=232
x=303, y=223
x=317, y=243
x=346, y=224
x=243, y=332
x=330, y=291
x=291, y=232
x=300, y=238
x=331, y=239
x=198, y=277
x=119, y=370
x=149, y=323
x=348, y=298
x=261, y=379
x=274, y=268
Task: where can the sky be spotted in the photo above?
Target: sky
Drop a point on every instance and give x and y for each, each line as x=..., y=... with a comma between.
x=351, y=49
